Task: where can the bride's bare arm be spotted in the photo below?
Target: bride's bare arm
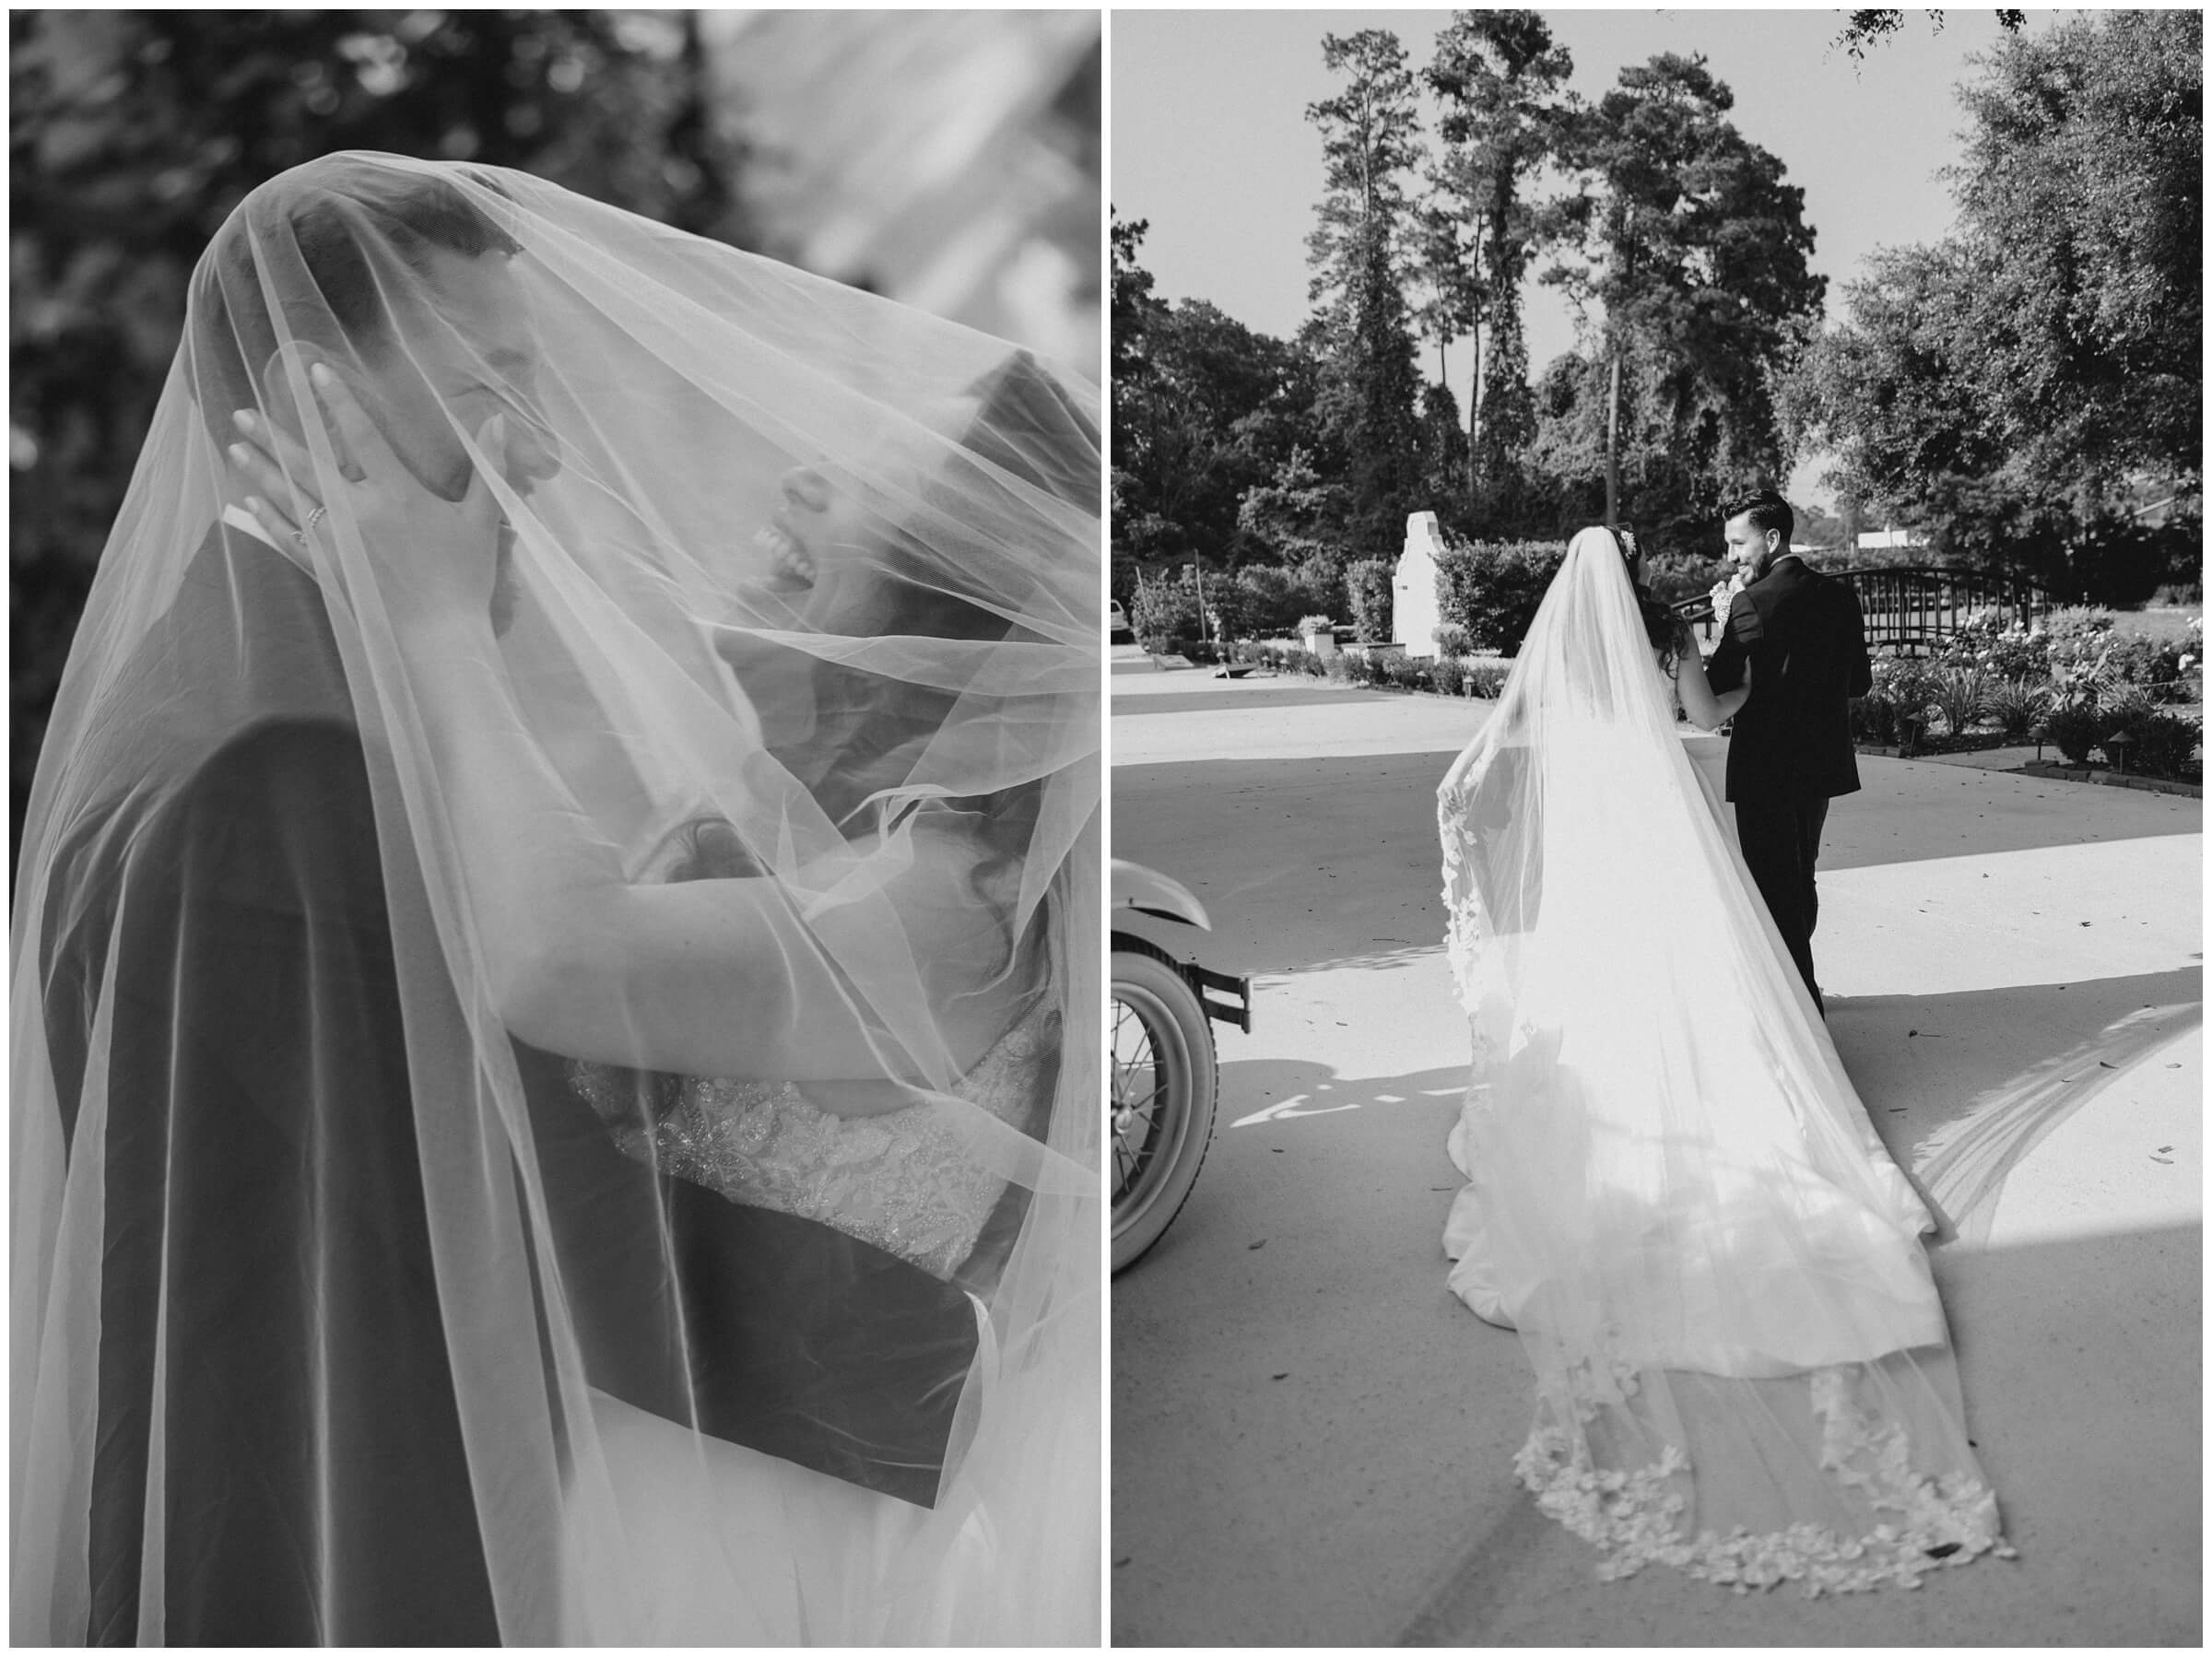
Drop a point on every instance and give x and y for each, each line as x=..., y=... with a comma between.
x=1707, y=711
x=715, y=977
x=724, y=976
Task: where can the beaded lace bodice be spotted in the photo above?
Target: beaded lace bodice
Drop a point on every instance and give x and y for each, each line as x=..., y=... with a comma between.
x=900, y=1180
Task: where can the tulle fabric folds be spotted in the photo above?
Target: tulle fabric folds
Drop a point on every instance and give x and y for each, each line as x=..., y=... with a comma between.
x=1674, y=1193
x=555, y=1064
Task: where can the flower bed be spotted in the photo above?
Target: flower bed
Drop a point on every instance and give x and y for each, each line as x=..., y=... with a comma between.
x=2126, y=700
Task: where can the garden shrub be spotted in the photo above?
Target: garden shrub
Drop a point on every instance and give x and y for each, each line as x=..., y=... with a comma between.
x=2154, y=664
x=1405, y=672
x=1959, y=693
x=1873, y=718
x=1449, y=677
x=2074, y=729
x=1202, y=650
x=1485, y=679
x=2162, y=744
x=1491, y=588
x=2000, y=650
x=1367, y=588
x=1274, y=598
x=1232, y=608
x=2015, y=706
x=1908, y=686
x=1165, y=608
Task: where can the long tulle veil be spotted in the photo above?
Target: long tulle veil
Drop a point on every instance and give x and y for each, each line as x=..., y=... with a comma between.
x=1674, y=1193
x=338, y=1314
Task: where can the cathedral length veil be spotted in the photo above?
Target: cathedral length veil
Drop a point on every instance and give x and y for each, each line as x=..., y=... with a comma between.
x=450, y=1314
x=1674, y=1193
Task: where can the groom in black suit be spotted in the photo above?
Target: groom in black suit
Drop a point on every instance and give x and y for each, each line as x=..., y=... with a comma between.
x=228, y=898
x=1805, y=642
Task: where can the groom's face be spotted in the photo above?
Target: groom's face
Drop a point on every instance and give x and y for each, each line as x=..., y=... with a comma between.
x=1750, y=549
x=458, y=354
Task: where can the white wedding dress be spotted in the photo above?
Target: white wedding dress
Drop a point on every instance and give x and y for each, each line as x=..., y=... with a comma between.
x=1674, y=1193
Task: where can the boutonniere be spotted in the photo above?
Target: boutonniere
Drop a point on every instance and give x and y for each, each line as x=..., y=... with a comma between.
x=1723, y=595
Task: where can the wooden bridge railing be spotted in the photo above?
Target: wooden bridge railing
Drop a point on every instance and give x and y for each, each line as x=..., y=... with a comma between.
x=1913, y=607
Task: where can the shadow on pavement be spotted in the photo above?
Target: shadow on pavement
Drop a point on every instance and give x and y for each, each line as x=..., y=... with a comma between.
x=1962, y=1088
x=1302, y=1368
x=1304, y=864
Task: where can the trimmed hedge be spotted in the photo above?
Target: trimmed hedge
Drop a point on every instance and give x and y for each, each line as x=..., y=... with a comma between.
x=1367, y=588
x=1491, y=588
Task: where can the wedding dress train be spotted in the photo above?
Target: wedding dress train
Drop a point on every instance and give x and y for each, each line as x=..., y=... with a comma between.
x=1674, y=1193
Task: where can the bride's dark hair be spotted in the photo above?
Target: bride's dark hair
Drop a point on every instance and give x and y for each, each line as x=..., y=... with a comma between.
x=1668, y=633
x=869, y=731
x=335, y=206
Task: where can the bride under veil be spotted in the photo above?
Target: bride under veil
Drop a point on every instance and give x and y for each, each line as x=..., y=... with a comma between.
x=1674, y=1193
x=555, y=1056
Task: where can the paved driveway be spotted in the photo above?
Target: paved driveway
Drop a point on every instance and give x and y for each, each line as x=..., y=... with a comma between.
x=1312, y=1440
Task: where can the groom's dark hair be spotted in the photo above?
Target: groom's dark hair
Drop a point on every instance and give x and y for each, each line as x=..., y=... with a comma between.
x=415, y=215
x=1766, y=509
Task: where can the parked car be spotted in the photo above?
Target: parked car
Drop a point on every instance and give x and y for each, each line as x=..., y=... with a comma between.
x=1162, y=1071
x=1118, y=631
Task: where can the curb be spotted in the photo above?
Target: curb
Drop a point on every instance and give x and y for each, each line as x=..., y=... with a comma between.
x=1881, y=751
x=2083, y=773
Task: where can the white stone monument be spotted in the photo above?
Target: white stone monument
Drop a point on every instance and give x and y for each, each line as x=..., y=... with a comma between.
x=1414, y=613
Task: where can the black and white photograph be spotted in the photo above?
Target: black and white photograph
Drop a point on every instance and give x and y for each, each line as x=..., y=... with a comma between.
x=1655, y=902
x=557, y=811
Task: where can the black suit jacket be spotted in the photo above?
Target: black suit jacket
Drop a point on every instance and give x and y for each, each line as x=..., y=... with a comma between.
x=1805, y=642
x=258, y=1038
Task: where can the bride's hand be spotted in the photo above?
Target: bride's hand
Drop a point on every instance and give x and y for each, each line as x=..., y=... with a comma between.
x=442, y=553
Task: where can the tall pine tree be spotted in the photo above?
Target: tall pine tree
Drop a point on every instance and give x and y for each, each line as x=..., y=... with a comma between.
x=1696, y=254
x=1360, y=251
x=1502, y=81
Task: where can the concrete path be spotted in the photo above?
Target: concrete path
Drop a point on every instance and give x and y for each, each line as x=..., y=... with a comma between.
x=1312, y=1440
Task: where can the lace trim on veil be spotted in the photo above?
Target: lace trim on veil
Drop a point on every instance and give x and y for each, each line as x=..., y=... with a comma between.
x=1637, y=1518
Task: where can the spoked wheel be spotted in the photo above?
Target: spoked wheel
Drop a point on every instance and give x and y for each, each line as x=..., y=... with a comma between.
x=1162, y=1078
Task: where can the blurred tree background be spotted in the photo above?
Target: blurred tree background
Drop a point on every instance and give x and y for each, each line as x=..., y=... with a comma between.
x=133, y=135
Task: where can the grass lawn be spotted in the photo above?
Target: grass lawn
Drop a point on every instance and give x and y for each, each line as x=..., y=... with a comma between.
x=2166, y=621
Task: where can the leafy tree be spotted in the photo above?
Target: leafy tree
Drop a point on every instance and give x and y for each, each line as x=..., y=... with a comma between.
x=1359, y=253
x=2081, y=191
x=1452, y=305
x=1295, y=515
x=1443, y=445
x=1370, y=145
x=1866, y=28
x=2011, y=384
x=1210, y=411
x=1696, y=252
x=1502, y=82
x=1131, y=306
x=135, y=132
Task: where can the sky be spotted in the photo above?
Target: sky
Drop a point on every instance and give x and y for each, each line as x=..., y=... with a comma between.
x=1209, y=141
